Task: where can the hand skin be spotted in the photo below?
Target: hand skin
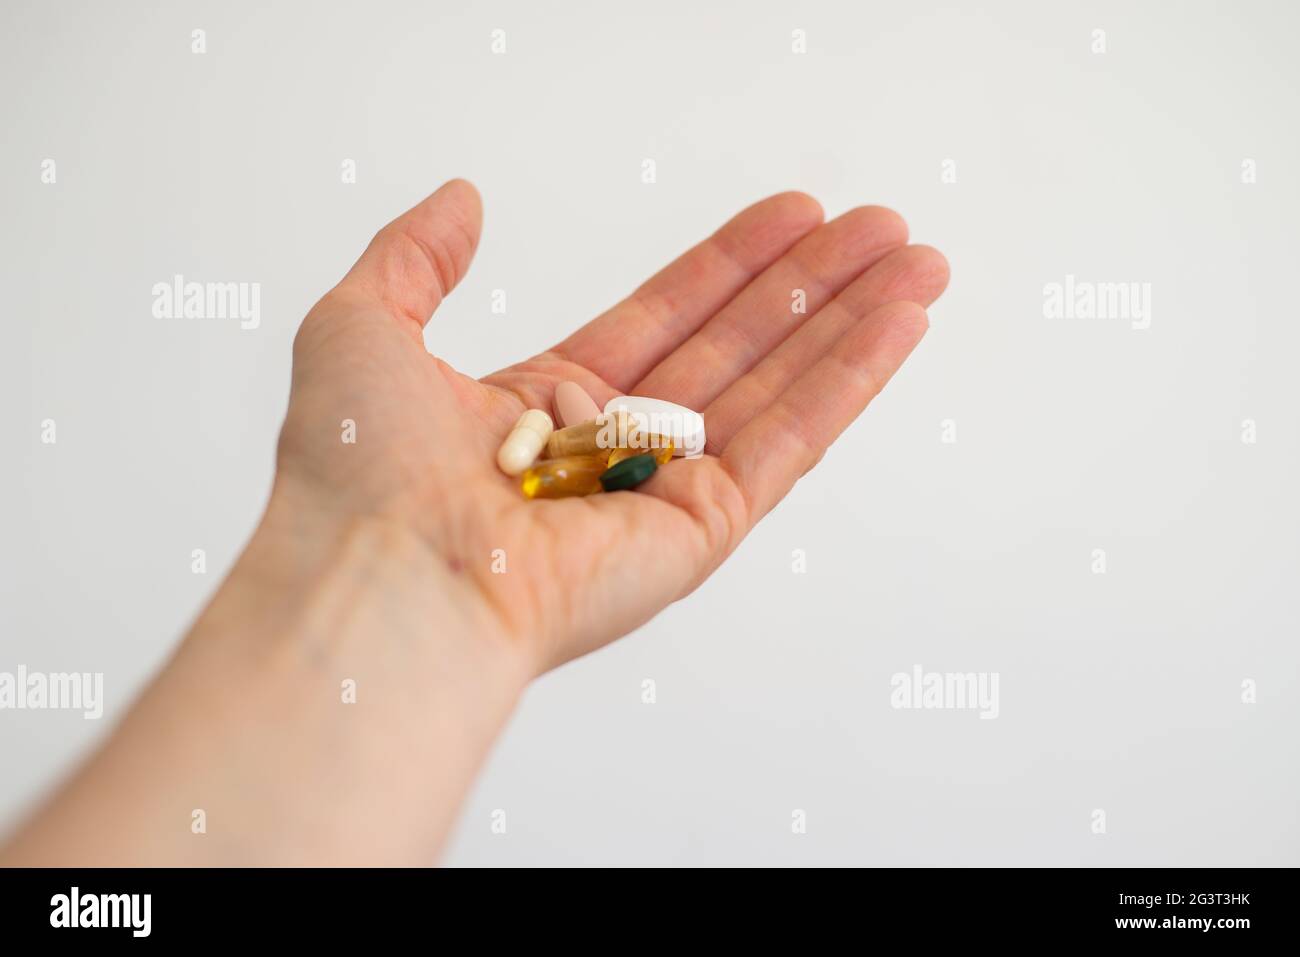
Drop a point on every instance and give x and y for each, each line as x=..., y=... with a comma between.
x=374, y=559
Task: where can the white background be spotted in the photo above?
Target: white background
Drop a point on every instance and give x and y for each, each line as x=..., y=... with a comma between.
x=1119, y=691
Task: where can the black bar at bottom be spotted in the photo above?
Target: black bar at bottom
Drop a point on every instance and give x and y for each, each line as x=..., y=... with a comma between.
x=333, y=907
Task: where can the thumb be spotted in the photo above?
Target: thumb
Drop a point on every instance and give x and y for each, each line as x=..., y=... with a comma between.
x=418, y=258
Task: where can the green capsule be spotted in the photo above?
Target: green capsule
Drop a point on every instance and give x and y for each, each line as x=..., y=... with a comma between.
x=629, y=473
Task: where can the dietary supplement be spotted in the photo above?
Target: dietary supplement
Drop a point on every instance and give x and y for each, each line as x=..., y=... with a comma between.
x=573, y=405
x=629, y=473
x=683, y=426
x=526, y=440
x=656, y=445
x=601, y=434
x=596, y=451
x=562, y=478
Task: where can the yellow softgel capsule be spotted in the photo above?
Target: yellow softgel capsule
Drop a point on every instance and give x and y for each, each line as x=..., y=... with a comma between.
x=562, y=478
x=661, y=447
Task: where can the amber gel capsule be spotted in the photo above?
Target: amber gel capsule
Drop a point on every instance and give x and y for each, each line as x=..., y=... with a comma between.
x=658, y=446
x=562, y=478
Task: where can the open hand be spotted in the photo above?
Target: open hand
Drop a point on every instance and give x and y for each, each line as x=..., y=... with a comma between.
x=717, y=331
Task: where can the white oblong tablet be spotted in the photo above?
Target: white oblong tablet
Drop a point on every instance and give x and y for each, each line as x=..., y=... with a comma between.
x=660, y=417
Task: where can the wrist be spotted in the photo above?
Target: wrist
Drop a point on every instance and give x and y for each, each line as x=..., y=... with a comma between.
x=380, y=678
x=331, y=705
x=307, y=572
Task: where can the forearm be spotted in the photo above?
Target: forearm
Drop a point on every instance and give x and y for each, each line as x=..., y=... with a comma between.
x=330, y=706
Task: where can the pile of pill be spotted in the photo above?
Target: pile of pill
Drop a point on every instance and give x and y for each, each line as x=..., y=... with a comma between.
x=597, y=450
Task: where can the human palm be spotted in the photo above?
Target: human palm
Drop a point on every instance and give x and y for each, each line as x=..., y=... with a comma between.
x=719, y=330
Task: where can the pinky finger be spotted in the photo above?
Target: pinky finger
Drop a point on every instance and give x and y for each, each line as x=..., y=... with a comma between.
x=789, y=437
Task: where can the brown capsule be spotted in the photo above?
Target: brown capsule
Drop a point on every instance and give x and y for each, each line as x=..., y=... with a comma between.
x=609, y=430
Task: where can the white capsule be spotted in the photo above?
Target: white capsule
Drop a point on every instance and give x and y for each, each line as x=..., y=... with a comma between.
x=660, y=417
x=525, y=441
